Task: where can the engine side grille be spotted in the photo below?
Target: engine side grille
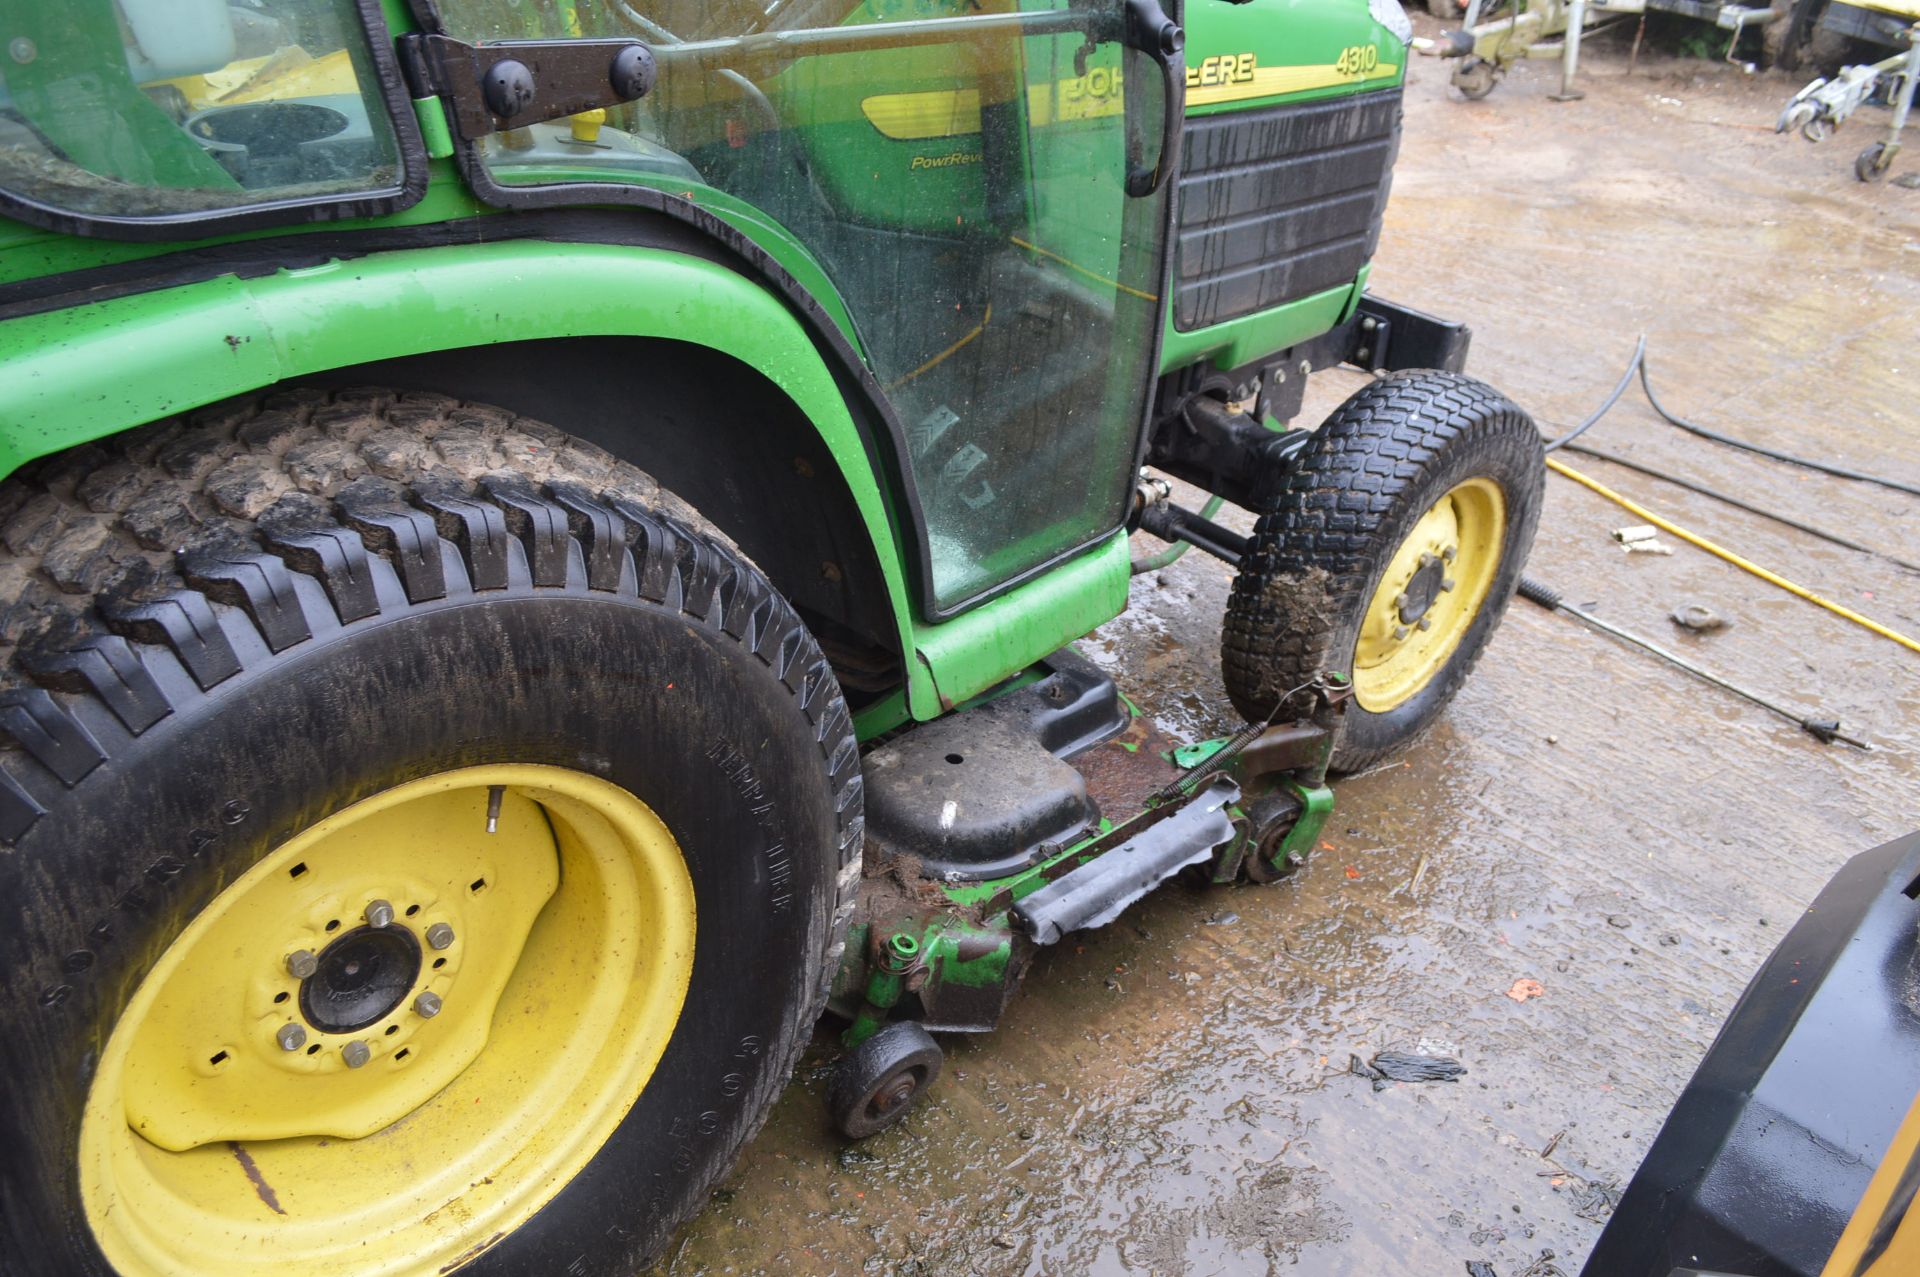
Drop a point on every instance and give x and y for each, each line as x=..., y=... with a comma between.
x=1280, y=203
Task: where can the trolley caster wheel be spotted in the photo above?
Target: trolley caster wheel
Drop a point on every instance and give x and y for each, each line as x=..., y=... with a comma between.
x=1872, y=164
x=1475, y=78
x=878, y=1081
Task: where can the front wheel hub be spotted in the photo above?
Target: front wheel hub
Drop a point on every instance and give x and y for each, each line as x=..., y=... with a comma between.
x=360, y=978
x=490, y=1035
x=1429, y=595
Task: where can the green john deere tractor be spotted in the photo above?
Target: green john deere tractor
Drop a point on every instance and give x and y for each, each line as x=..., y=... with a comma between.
x=539, y=550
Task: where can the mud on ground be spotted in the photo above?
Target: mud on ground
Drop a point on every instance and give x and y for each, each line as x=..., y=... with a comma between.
x=1171, y=1095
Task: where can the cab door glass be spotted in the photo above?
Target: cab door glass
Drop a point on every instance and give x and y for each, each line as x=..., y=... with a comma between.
x=964, y=194
x=159, y=108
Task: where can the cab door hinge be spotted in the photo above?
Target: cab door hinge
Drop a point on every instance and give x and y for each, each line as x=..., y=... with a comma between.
x=490, y=88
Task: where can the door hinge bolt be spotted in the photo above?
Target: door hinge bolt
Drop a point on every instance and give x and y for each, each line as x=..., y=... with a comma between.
x=291, y=1037
x=427, y=1005
x=301, y=964
x=356, y=1054
x=439, y=935
x=379, y=914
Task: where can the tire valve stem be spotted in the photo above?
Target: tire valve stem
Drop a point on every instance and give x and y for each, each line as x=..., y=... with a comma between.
x=494, y=794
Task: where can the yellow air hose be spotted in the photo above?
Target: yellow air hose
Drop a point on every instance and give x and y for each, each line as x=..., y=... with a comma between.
x=1724, y=553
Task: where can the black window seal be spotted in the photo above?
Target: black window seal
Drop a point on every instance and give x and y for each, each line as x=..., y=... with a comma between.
x=851, y=370
x=372, y=202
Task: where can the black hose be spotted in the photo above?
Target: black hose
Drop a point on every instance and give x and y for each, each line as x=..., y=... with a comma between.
x=1639, y=364
x=1693, y=427
x=1635, y=364
x=1738, y=504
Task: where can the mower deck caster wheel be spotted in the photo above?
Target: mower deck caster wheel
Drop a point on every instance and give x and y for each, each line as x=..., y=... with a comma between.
x=1272, y=821
x=878, y=1081
x=1872, y=164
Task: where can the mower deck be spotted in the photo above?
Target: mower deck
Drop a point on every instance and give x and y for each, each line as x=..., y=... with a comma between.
x=1048, y=808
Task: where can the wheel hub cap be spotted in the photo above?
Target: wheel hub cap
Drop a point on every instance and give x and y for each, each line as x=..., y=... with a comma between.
x=486, y=1003
x=361, y=978
x=1429, y=595
x=1422, y=589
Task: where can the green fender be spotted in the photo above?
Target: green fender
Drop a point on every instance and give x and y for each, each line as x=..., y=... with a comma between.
x=82, y=373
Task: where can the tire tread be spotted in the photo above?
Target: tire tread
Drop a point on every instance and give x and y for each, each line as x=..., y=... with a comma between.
x=155, y=551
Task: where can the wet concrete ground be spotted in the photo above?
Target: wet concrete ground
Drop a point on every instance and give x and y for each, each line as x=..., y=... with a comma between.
x=1170, y=1095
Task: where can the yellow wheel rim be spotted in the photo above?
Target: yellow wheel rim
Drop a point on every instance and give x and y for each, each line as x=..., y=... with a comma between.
x=1433, y=588
x=431, y=1082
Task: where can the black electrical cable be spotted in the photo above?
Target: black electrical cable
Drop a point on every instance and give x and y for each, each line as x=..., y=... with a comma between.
x=1626, y=379
x=1639, y=364
x=1738, y=504
x=1693, y=427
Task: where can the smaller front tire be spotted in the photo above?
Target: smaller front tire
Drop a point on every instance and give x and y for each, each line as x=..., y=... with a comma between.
x=1390, y=555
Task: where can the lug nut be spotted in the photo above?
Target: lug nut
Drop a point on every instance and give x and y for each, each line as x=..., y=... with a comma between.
x=1447, y=583
x=1401, y=631
x=1426, y=623
x=301, y=964
x=356, y=1054
x=291, y=1037
x=427, y=1005
x=439, y=935
x=1448, y=553
x=379, y=914
x=1400, y=600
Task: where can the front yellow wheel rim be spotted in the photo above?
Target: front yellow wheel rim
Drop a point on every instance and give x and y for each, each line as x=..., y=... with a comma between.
x=1433, y=588
x=430, y=1082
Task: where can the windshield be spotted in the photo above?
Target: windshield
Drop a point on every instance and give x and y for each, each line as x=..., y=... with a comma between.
x=153, y=108
x=963, y=189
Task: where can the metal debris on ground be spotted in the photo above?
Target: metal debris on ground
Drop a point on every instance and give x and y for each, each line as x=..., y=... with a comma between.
x=1404, y=1066
x=1698, y=617
x=1641, y=539
x=1594, y=1202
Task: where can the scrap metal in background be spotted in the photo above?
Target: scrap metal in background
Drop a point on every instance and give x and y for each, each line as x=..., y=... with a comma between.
x=1826, y=104
x=1488, y=46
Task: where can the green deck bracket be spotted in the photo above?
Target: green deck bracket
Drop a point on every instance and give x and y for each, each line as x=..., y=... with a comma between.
x=1316, y=804
x=885, y=984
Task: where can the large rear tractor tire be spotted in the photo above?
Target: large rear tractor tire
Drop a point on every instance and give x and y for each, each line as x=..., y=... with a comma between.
x=427, y=843
x=1390, y=556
